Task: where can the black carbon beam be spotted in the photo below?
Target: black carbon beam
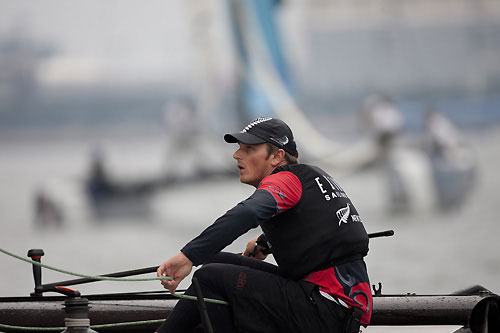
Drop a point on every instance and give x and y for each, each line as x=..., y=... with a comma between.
x=202, y=307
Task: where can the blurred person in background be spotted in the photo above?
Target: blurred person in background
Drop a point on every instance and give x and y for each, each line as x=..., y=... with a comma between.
x=452, y=160
x=190, y=139
x=444, y=137
x=183, y=132
x=99, y=183
x=47, y=211
x=383, y=120
x=407, y=170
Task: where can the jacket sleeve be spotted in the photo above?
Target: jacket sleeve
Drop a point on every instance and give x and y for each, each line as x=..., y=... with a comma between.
x=246, y=215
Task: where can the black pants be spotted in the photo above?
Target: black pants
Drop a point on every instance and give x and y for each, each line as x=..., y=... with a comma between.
x=261, y=300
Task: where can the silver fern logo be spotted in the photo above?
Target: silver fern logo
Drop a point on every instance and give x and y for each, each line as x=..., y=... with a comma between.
x=343, y=214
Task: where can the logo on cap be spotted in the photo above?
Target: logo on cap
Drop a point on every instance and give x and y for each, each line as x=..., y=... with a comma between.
x=254, y=123
x=282, y=141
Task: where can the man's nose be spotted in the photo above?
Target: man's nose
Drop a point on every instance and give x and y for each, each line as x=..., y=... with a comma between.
x=236, y=155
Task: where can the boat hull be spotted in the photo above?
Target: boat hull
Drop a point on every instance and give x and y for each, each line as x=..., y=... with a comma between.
x=49, y=312
x=388, y=310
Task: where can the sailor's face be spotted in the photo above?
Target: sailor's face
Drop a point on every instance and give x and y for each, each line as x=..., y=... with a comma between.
x=253, y=163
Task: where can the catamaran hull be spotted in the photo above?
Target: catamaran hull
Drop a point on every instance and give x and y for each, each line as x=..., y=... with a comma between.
x=393, y=310
x=49, y=312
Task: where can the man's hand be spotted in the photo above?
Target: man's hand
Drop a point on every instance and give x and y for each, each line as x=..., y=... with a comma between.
x=254, y=250
x=177, y=267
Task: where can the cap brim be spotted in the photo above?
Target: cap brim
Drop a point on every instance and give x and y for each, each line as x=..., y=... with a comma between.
x=245, y=138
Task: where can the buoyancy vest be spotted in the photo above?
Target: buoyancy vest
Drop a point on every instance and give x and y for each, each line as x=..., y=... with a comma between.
x=322, y=230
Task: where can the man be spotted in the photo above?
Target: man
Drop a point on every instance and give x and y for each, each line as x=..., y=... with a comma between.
x=310, y=226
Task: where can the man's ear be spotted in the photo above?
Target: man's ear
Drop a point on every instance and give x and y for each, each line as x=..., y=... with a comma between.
x=278, y=157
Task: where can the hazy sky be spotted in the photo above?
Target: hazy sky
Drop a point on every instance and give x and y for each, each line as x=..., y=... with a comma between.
x=122, y=35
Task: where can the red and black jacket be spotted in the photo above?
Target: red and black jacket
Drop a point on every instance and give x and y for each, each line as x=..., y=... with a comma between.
x=321, y=230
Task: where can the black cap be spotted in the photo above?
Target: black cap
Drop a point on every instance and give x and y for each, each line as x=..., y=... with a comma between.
x=263, y=130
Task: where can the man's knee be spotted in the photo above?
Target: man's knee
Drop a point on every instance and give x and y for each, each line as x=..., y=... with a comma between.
x=213, y=277
x=209, y=272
